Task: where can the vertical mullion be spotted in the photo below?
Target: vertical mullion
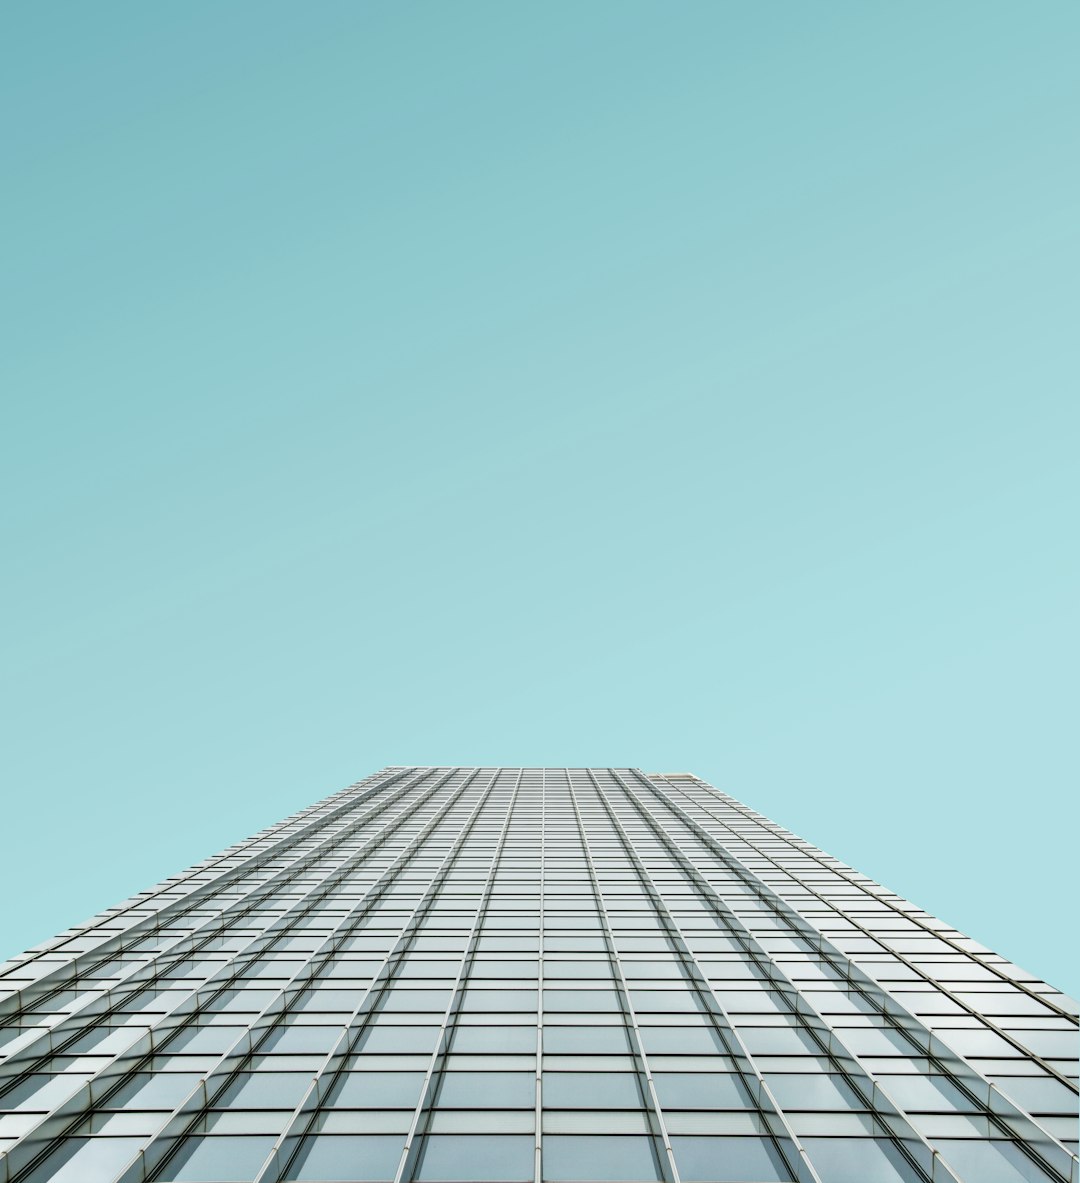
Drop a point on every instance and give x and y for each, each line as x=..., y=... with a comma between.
x=186, y=1116
x=875, y=1098
x=429, y=1090
x=943, y=987
x=659, y=1128
x=830, y=1043
x=538, y=1133
x=62, y=1120
x=101, y=953
x=996, y=1106
x=754, y=1082
x=147, y=974
x=307, y=1110
x=849, y=875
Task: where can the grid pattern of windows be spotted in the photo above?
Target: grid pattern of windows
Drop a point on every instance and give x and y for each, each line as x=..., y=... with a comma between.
x=524, y=974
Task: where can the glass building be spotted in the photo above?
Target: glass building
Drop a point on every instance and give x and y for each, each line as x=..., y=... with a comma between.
x=510, y=974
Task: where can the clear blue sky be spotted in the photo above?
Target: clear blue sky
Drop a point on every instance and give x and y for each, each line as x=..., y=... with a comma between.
x=687, y=386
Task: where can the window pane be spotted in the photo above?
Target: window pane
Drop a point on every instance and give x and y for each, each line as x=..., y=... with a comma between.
x=700, y=1090
x=591, y=1090
x=926, y=1094
x=499, y=1000
x=86, y=1160
x=859, y=1160
x=581, y=1000
x=350, y=1156
x=628, y=1159
x=728, y=1160
x=206, y=1039
x=487, y=1090
x=595, y=1041
x=399, y=1039
x=776, y=1041
x=379, y=1090
x=40, y=1091
x=801, y=1090
x=219, y=1159
x=472, y=1158
x=296, y=1039
x=265, y=1090
x=1041, y=1095
x=494, y=1039
x=989, y=1161
x=698, y=1041
x=165, y=1090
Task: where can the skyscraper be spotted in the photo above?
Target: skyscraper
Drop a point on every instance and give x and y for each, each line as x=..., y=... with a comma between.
x=509, y=974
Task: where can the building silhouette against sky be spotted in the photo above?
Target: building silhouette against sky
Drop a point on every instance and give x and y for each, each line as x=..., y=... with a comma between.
x=509, y=974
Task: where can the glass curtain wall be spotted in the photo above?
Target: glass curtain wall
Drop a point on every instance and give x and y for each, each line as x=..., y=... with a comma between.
x=500, y=975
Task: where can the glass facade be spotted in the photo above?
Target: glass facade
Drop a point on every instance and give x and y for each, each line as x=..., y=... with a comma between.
x=512, y=974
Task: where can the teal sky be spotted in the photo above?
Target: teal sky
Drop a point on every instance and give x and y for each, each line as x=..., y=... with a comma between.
x=684, y=386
